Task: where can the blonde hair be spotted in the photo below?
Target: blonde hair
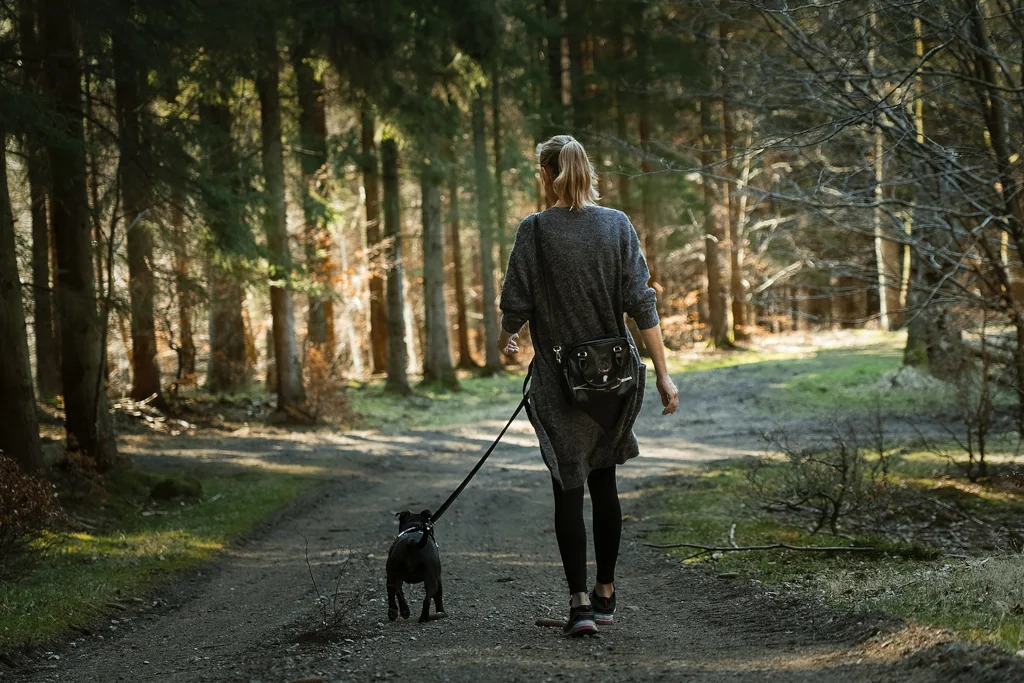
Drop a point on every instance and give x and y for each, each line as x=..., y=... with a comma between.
x=567, y=162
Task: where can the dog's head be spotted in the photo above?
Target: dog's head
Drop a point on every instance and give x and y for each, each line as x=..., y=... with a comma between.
x=409, y=520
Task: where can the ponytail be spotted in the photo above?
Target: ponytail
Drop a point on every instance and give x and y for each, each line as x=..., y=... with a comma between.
x=575, y=180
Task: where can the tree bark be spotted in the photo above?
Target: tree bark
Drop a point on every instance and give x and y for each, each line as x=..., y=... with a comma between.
x=554, y=122
x=88, y=423
x=397, y=354
x=915, y=352
x=378, y=300
x=437, y=359
x=648, y=204
x=182, y=288
x=291, y=395
x=715, y=258
x=492, y=363
x=315, y=189
x=135, y=201
x=228, y=370
x=499, y=187
x=734, y=202
x=466, y=361
x=47, y=359
x=622, y=131
x=19, y=438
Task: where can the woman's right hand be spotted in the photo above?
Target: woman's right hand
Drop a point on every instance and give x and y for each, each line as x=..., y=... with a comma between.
x=669, y=394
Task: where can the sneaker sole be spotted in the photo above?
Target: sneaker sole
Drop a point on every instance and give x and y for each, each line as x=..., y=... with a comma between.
x=604, y=619
x=585, y=627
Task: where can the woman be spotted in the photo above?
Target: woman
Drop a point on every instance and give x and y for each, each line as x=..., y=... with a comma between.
x=567, y=281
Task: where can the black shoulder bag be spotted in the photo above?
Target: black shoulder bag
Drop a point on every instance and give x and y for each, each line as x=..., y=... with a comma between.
x=598, y=374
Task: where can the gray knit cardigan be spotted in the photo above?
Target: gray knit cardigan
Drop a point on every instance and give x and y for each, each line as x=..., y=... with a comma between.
x=591, y=259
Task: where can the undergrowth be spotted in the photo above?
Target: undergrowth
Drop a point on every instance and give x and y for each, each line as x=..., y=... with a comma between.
x=128, y=542
x=944, y=552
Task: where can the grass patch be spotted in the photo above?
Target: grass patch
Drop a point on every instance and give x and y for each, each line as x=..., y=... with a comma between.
x=982, y=598
x=136, y=543
x=433, y=406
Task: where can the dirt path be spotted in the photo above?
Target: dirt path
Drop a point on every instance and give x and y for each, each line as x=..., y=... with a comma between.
x=240, y=619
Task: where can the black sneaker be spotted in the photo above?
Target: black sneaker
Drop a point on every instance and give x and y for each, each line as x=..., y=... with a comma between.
x=604, y=608
x=580, y=622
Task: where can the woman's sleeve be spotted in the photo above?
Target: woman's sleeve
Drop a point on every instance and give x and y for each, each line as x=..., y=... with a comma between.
x=517, y=291
x=639, y=300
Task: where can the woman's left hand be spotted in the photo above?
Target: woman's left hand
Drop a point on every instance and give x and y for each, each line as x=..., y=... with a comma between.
x=508, y=343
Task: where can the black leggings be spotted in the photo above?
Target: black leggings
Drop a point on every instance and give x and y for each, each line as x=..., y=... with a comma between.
x=572, y=532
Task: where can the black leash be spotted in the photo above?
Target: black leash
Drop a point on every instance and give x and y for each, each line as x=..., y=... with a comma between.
x=455, y=494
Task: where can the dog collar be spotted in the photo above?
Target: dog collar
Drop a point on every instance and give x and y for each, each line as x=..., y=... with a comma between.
x=426, y=528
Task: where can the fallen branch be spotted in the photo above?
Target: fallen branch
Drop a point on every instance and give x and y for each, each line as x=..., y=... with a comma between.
x=773, y=546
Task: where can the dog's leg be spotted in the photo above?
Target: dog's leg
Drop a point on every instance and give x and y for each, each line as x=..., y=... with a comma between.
x=392, y=606
x=402, y=604
x=425, y=614
x=439, y=598
x=430, y=590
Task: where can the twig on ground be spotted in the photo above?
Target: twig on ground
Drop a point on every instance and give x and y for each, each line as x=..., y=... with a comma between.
x=960, y=511
x=732, y=536
x=772, y=546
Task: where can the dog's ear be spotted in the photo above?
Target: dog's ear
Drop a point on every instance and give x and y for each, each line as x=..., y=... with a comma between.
x=403, y=516
x=426, y=514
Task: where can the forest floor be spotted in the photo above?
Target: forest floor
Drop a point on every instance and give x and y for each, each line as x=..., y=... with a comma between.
x=251, y=615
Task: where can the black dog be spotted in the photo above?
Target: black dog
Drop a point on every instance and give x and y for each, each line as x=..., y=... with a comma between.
x=414, y=558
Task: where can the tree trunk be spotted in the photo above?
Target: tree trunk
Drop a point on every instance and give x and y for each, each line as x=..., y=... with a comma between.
x=622, y=131
x=648, y=209
x=135, y=201
x=291, y=395
x=228, y=370
x=733, y=200
x=316, y=194
x=182, y=288
x=885, y=261
x=715, y=258
x=47, y=358
x=19, y=438
x=47, y=361
x=466, y=361
x=88, y=423
x=554, y=121
x=499, y=187
x=398, y=378
x=92, y=165
x=378, y=302
x=915, y=350
x=648, y=203
x=492, y=364
x=437, y=359
x=185, y=350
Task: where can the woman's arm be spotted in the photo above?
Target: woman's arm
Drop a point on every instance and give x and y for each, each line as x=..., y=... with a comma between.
x=641, y=304
x=666, y=387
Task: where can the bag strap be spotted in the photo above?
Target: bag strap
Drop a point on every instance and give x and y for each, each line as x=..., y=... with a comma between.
x=540, y=260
